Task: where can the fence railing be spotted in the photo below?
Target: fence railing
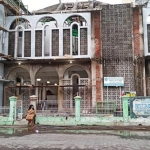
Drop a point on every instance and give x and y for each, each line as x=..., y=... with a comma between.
x=19, y=110
x=4, y=111
x=47, y=107
x=102, y=108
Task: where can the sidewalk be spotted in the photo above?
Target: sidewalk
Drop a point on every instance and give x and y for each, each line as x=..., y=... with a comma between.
x=59, y=141
x=57, y=127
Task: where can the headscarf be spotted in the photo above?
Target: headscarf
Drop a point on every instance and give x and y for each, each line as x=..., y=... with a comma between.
x=30, y=107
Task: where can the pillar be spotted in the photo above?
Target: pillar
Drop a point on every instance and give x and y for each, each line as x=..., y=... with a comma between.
x=125, y=108
x=77, y=107
x=1, y=83
x=93, y=70
x=60, y=94
x=12, y=111
x=33, y=101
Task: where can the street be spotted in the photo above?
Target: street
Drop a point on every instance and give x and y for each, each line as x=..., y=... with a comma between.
x=43, y=139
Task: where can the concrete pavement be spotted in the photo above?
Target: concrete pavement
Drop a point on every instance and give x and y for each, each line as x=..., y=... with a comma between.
x=69, y=141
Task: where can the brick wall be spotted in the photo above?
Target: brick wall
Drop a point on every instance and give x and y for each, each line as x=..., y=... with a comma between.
x=138, y=57
x=97, y=54
x=136, y=31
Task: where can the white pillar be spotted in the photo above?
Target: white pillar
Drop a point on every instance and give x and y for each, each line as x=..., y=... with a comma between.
x=1, y=83
x=33, y=100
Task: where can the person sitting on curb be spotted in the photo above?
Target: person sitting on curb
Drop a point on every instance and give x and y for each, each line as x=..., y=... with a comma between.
x=31, y=115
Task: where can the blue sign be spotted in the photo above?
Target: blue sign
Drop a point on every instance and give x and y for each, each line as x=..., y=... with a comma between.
x=140, y=106
x=113, y=81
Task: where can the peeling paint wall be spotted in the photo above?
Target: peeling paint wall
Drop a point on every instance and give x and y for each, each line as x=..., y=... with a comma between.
x=2, y=23
x=139, y=61
x=97, y=55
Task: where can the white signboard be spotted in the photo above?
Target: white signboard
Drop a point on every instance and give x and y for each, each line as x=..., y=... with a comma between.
x=113, y=81
x=141, y=107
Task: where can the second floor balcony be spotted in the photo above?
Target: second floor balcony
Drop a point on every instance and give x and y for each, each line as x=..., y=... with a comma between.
x=50, y=36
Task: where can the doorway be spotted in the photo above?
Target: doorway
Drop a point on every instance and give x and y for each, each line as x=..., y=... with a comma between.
x=75, y=90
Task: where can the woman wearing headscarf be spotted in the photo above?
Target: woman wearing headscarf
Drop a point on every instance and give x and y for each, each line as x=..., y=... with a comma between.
x=31, y=115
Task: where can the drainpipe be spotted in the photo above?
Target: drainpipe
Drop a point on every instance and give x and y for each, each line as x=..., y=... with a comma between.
x=77, y=108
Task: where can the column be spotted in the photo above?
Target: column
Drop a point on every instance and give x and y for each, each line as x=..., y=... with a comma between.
x=33, y=100
x=125, y=108
x=12, y=111
x=93, y=79
x=77, y=107
x=60, y=95
x=1, y=83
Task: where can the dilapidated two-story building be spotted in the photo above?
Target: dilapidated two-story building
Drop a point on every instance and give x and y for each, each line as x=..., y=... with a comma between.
x=68, y=49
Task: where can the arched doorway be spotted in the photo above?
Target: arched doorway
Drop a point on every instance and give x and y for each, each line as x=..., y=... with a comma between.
x=20, y=76
x=47, y=81
x=75, y=82
x=19, y=87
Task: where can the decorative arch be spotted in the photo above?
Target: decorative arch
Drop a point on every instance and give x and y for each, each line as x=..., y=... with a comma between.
x=19, y=26
x=19, y=75
x=15, y=67
x=75, y=18
x=75, y=74
x=47, y=73
x=47, y=20
x=73, y=77
x=69, y=66
x=20, y=21
x=40, y=67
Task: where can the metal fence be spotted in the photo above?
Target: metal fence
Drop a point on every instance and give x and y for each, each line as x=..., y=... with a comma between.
x=4, y=111
x=19, y=110
x=47, y=107
x=102, y=108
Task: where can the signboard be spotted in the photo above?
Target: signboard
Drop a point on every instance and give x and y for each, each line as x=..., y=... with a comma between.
x=129, y=94
x=113, y=81
x=140, y=106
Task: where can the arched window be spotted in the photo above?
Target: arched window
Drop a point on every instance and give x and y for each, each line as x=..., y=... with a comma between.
x=47, y=40
x=20, y=21
x=47, y=21
x=19, y=36
x=75, y=36
x=47, y=27
x=72, y=19
x=19, y=46
x=75, y=39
